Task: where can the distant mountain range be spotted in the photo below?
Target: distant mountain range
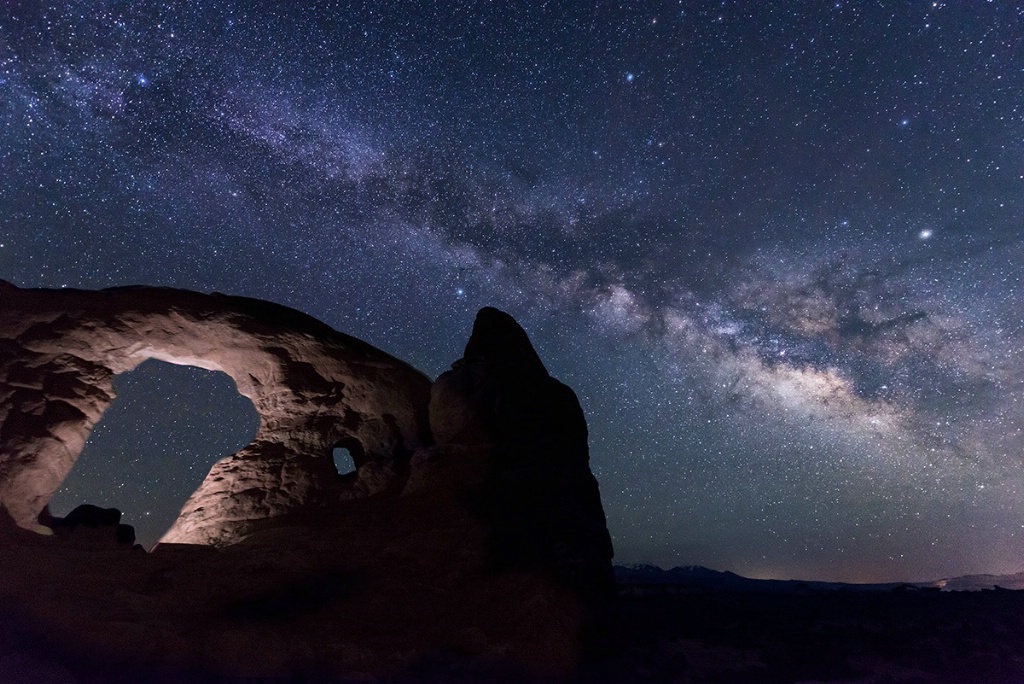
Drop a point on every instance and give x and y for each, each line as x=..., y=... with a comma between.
x=691, y=577
x=978, y=582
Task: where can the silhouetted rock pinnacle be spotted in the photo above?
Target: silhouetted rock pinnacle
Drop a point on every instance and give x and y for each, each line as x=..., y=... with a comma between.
x=498, y=338
x=539, y=494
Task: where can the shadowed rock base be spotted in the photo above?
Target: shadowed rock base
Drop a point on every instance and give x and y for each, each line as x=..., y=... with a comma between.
x=340, y=603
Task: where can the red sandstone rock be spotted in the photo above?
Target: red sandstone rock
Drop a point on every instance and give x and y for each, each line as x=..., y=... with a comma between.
x=466, y=559
x=313, y=387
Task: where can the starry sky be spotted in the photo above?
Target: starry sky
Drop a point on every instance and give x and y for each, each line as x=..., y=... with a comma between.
x=775, y=247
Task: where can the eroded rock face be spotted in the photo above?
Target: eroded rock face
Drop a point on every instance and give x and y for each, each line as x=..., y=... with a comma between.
x=314, y=388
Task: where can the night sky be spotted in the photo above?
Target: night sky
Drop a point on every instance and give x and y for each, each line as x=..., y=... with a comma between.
x=775, y=247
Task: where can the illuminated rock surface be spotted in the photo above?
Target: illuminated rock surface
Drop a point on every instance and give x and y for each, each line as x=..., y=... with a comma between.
x=314, y=388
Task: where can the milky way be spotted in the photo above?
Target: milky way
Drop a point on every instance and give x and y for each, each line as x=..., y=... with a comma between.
x=775, y=247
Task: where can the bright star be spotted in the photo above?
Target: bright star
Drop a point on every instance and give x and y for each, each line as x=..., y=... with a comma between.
x=925, y=234
x=630, y=76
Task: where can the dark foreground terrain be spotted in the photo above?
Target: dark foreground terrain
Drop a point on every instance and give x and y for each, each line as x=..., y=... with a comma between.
x=691, y=634
x=104, y=628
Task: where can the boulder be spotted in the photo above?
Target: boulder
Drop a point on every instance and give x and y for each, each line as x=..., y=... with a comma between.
x=89, y=515
x=87, y=521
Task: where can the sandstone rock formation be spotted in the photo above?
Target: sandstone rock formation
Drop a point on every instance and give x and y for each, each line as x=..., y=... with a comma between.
x=538, y=494
x=470, y=541
x=314, y=388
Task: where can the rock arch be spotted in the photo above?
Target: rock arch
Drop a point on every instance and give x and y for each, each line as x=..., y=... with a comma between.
x=312, y=386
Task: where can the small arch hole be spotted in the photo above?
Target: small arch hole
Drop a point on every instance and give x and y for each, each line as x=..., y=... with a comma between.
x=343, y=461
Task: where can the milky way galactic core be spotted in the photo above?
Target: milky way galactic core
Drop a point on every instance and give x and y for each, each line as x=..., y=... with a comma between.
x=774, y=247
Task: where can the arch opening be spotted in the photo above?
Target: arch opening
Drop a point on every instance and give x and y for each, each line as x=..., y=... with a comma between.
x=348, y=456
x=156, y=443
x=343, y=461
